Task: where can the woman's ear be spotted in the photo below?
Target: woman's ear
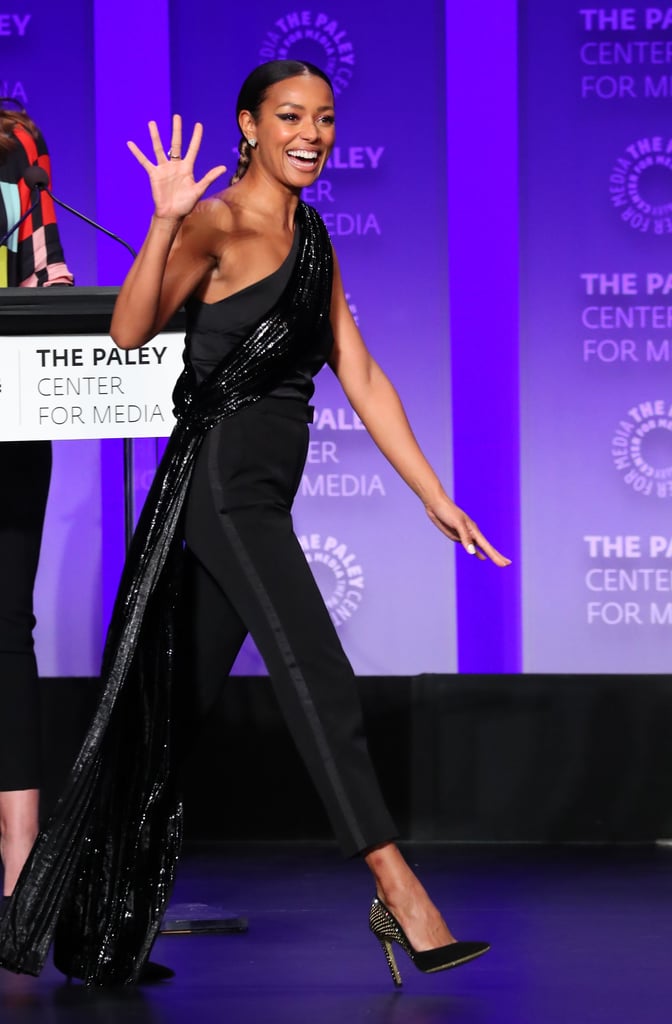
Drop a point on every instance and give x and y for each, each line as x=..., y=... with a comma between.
x=246, y=124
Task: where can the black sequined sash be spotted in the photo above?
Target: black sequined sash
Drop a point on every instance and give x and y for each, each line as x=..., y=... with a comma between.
x=101, y=872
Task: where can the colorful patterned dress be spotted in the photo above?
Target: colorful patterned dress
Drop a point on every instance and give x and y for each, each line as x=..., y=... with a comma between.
x=32, y=255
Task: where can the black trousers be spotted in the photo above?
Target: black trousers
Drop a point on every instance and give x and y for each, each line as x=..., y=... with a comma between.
x=25, y=471
x=246, y=572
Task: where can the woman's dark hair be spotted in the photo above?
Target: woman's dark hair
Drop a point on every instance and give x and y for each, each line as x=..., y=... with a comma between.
x=253, y=94
x=9, y=119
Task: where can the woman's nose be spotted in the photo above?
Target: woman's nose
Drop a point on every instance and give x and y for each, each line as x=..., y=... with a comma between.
x=309, y=131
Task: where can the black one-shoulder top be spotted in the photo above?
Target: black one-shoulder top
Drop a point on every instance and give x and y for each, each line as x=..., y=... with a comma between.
x=215, y=328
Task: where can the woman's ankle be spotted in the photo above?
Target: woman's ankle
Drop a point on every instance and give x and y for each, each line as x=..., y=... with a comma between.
x=14, y=851
x=393, y=877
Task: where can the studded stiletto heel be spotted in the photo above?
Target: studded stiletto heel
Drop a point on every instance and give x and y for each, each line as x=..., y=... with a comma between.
x=387, y=930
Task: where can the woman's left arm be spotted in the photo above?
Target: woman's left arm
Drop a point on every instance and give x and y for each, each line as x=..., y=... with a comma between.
x=376, y=402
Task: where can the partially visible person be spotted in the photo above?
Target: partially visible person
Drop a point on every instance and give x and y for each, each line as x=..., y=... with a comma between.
x=31, y=257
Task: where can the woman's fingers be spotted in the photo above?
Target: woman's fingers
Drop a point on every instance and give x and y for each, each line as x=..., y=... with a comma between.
x=485, y=549
x=176, y=138
x=467, y=531
x=157, y=145
x=175, y=151
x=463, y=530
x=194, y=143
x=207, y=179
x=140, y=156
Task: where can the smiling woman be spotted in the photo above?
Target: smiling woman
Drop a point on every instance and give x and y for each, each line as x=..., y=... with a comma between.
x=215, y=555
x=309, y=153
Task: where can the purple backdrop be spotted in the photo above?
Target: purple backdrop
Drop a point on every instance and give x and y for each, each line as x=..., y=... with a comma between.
x=596, y=197
x=385, y=201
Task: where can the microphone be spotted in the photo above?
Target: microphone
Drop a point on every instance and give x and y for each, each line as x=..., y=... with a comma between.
x=37, y=177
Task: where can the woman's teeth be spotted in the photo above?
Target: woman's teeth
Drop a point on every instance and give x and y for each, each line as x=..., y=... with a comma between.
x=303, y=154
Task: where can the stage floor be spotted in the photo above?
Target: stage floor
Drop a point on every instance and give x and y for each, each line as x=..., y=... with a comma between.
x=578, y=934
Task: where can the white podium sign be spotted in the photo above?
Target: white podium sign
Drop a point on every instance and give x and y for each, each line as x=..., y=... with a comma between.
x=62, y=387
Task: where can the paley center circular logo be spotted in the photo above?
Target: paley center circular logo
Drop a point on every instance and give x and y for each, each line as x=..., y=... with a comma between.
x=316, y=37
x=641, y=447
x=640, y=185
x=338, y=573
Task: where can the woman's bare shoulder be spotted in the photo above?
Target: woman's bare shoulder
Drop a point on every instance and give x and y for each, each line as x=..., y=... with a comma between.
x=211, y=214
x=223, y=208
x=209, y=225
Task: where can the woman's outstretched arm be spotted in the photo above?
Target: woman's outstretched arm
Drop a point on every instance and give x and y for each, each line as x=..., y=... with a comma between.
x=177, y=251
x=376, y=402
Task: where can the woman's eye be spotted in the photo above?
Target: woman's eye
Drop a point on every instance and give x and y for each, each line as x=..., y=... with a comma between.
x=328, y=119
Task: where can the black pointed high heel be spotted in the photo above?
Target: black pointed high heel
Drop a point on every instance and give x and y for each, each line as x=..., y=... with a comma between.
x=387, y=930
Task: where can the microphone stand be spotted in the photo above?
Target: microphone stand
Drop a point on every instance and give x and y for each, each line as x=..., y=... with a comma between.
x=14, y=227
x=88, y=220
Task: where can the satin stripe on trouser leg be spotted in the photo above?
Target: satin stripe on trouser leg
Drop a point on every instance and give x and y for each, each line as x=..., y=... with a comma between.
x=239, y=529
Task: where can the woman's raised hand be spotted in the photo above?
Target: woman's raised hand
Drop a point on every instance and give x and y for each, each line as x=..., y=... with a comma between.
x=174, y=190
x=457, y=525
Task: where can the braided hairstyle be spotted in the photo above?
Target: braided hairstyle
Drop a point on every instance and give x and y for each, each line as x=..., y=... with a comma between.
x=243, y=159
x=253, y=93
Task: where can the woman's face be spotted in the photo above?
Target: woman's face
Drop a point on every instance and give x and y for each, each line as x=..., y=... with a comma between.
x=295, y=129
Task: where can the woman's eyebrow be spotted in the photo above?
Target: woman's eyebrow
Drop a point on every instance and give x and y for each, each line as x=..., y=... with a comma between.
x=299, y=106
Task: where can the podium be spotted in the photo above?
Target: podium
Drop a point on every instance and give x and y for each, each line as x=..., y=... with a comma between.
x=63, y=378
x=59, y=309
